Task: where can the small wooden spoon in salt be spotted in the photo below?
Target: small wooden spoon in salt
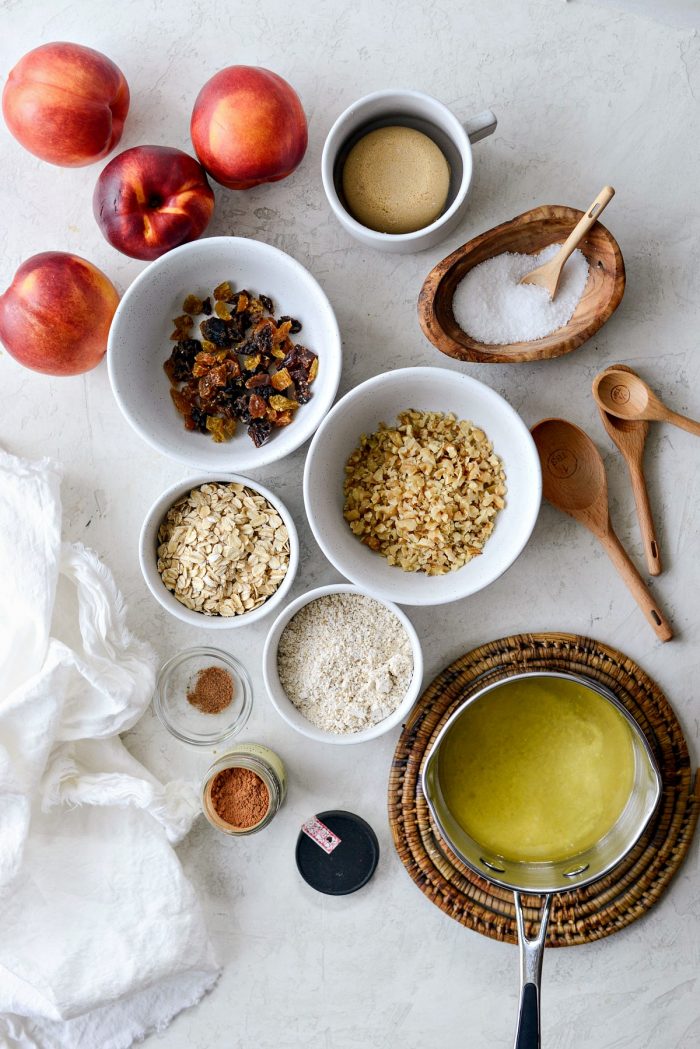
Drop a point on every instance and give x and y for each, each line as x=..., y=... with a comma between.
x=548, y=275
x=627, y=396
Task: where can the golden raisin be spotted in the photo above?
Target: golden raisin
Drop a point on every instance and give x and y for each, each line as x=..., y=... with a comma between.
x=282, y=332
x=220, y=429
x=281, y=379
x=282, y=404
x=192, y=304
x=257, y=406
x=223, y=292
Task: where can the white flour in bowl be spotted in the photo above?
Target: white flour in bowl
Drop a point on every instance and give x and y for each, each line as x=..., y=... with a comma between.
x=345, y=662
x=492, y=307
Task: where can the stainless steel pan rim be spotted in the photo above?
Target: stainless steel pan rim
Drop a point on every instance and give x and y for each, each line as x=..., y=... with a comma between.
x=575, y=872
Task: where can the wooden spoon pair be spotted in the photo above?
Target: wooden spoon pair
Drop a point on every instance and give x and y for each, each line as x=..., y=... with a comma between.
x=627, y=406
x=573, y=480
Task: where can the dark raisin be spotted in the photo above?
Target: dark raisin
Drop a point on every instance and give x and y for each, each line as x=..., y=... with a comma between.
x=262, y=339
x=241, y=409
x=259, y=431
x=299, y=375
x=217, y=331
x=199, y=418
x=305, y=356
x=233, y=389
x=207, y=306
x=179, y=365
x=296, y=325
x=267, y=303
x=303, y=391
x=293, y=358
x=227, y=396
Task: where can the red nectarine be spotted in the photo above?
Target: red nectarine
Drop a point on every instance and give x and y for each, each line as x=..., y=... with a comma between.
x=66, y=103
x=248, y=127
x=56, y=314
x=149, y=199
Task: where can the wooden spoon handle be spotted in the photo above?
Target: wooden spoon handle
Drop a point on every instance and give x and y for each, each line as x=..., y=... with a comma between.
x=684, y=422
x=636, y=585
x=646, y=521
x=582, y=227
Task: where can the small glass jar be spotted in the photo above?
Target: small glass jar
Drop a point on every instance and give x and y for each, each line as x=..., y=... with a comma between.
x=264, y=763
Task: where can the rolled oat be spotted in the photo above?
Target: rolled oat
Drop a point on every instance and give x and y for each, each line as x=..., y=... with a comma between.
x=223, y=550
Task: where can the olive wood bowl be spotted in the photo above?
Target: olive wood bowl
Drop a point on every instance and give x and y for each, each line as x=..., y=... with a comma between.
x=528, y=233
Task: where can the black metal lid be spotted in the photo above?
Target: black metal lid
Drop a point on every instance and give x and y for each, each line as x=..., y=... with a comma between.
x=349, y=865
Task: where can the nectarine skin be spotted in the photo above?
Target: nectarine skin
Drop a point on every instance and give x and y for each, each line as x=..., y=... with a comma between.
x=56, y=314
x=66, y=104
x=248, y=127
x=150, y=199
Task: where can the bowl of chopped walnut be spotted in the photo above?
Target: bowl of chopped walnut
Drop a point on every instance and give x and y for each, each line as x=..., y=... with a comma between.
x=225, y=354
x=422, y=486
x=219, y=551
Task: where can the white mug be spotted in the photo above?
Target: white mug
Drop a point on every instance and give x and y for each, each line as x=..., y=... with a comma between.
x=411, y=109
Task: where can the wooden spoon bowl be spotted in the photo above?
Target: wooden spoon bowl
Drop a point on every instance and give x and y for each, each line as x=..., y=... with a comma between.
x=528, y=234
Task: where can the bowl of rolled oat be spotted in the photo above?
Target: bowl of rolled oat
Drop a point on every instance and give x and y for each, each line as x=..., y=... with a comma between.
x=219, y=552
x=341, y=666
x=422, y=486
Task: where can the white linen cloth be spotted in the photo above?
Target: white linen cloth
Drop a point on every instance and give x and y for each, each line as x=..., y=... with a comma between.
x=101, y=937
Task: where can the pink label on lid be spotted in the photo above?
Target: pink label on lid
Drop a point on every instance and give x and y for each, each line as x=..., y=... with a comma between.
x=321, y=834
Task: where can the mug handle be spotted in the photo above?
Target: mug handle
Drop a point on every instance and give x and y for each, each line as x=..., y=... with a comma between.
x=480, y=126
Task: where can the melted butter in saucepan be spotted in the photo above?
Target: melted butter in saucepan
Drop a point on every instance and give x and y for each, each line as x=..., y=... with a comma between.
x=538, y=770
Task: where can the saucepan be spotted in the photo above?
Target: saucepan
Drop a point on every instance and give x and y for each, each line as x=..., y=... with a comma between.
x=545, y=878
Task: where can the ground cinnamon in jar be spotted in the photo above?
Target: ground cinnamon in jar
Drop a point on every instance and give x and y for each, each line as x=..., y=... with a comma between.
x=212, y=691
x=239, y=797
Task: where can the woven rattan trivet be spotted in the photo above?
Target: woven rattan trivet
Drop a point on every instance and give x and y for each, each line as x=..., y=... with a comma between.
x=585, y=914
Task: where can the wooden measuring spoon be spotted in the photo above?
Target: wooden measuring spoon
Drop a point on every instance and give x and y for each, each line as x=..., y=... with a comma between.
x=573, y=480
x=630, y=435
x=627, y=396
x=548, y=275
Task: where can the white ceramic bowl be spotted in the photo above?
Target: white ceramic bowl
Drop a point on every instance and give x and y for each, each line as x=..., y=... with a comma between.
x=139, y=343
x=381, y=400
x=148, y=545
x=284, y=706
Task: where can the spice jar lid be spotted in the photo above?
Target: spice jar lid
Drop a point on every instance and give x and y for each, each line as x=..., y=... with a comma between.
x=339, y=862
x=201, y=719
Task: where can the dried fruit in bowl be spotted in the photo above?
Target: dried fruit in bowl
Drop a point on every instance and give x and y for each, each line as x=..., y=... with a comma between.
x=245, y=368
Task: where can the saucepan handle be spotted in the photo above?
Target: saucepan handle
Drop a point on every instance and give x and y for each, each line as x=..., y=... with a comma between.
x=527, y=1035
x=480, y=126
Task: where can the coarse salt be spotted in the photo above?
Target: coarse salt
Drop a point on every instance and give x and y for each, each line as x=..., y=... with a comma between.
x=492, y=307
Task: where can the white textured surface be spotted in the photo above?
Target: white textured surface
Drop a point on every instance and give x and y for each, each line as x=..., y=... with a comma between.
x=584, y=96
